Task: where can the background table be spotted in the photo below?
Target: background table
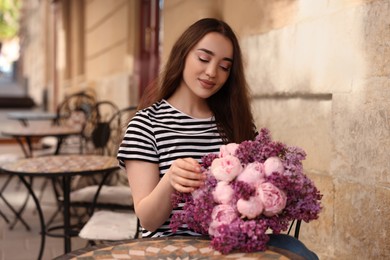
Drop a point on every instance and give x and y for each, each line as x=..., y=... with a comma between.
x=26, y=134
x=169, y=248
x=64, y=166
x=26, y=116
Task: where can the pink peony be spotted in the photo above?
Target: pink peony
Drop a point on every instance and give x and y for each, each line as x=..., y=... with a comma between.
x=250, y=208
x=222, y=214
x=252, y=174
x=273, y=164
x=228, y=149
x=223, y=193
x=274, y=200
x=226, y=168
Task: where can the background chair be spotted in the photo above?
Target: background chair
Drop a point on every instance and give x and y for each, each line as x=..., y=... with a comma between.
x=108, y=135
x=98, y=132
x=111, y=215
x=106, y=138
x=100, y=126
x=75, y=111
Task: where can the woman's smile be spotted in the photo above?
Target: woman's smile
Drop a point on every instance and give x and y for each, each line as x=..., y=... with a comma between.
x=207, y=83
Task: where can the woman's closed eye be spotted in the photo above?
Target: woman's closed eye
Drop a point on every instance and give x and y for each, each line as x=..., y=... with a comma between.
x=223, y=66
x=203, y=59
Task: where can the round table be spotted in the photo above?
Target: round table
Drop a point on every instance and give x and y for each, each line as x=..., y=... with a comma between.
x=26, y=134
x=175, y=247
x=25, y=116
x=64, y=166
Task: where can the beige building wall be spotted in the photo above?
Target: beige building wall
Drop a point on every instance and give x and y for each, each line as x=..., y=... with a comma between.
x=35, y=62
x=319, y=77
x=95, y=45
x=110, y=47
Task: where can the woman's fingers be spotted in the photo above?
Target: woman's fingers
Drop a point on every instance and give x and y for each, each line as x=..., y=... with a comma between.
x=189, y=164
x=186, y=175
x=187, y=168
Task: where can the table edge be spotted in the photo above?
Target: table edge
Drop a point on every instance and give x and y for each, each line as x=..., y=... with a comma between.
x=81, y=251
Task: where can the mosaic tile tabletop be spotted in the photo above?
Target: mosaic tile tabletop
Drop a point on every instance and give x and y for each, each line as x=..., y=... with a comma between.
x=62, y=164
x=171, y=248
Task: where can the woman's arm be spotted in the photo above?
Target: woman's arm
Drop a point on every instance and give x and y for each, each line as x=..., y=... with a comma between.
x=151, y=193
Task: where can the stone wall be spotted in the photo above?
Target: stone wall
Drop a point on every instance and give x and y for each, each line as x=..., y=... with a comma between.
x=322, y=83
x=319, y=73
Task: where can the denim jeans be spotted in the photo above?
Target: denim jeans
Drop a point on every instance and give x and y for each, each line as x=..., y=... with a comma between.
x=291, y=244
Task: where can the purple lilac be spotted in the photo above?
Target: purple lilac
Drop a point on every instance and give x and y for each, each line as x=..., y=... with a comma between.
x=303, y=198
x=242, y=190
x=208, y=159
x=246, y=236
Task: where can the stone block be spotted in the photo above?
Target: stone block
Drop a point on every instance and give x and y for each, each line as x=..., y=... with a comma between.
x=376, y=32
x=318, y=234
x=361, y=130
x=299, y=122
x=362, y=220
x=307, y=57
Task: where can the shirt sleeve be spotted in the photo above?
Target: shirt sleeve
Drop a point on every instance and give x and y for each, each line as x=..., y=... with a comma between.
x=139, y=141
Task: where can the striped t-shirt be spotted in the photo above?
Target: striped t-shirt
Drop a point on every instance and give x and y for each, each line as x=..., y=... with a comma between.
x=161, y=134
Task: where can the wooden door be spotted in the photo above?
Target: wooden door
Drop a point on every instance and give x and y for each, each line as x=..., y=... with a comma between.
x=149, y=43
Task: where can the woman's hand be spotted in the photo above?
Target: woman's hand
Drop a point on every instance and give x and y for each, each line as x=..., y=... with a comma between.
x=185, y=175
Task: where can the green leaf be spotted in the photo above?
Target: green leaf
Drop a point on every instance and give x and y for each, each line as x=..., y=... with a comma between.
x=9, y=18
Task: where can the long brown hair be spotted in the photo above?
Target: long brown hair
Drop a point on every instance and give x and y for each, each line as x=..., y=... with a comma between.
x=230, y=105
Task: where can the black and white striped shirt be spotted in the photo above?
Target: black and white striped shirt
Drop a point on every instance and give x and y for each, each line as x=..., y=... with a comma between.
x=161, y=134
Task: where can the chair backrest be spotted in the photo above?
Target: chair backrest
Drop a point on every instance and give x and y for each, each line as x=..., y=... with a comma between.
x=99, y=125
x=75, y=109
x=118, y=123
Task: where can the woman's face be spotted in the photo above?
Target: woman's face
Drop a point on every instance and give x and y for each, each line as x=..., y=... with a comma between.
x=207, y=65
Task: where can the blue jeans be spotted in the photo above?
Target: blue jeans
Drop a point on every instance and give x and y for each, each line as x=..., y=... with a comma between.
x=291, y=244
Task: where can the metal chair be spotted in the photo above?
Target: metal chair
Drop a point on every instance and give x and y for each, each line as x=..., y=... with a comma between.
x=107, y=135
x=100, y=126
x=106, y=138
x=111, y=214
x=76, y=110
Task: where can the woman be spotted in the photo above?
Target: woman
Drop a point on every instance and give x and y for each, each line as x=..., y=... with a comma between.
x=201, y=104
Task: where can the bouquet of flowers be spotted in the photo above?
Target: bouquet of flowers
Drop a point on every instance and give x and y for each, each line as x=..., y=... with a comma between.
x=251, y=187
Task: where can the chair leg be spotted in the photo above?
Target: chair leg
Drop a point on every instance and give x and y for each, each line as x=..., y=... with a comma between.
x=40, y=194
x=18, y=214
x=297, y=228
x=42, y=189
x=56, y=192
x=4, y=217
x=52, y=218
